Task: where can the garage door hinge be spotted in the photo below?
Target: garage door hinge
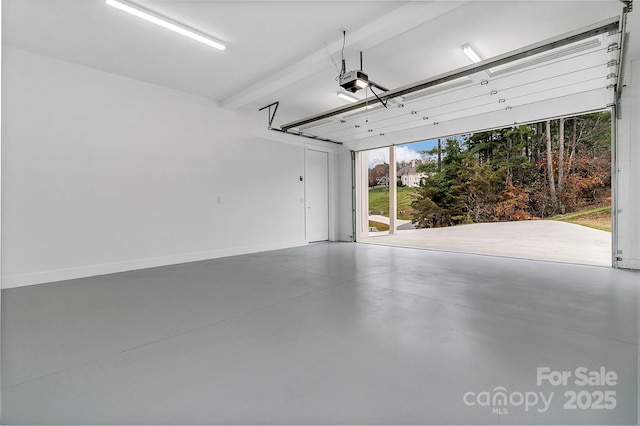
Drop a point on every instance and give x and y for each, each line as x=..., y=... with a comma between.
x=618, y=259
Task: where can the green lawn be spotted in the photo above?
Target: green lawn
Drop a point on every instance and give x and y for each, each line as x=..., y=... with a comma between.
x=379, y=226
x=379, y=201
x=597, y=218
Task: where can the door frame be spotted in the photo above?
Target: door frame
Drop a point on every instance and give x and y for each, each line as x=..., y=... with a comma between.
x=331, y=202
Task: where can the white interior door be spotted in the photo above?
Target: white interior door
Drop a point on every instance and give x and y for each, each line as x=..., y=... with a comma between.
x=317, y=195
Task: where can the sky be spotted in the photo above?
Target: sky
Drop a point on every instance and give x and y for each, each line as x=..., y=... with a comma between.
x=404, y=153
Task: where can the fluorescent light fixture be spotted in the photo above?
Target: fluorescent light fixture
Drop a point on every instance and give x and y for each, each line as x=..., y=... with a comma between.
x=347, y=97
x=552, y=55
x=468, y=50
x=164, y=22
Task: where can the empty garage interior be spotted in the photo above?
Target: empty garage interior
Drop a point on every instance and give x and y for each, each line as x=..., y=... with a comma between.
x=180, y=220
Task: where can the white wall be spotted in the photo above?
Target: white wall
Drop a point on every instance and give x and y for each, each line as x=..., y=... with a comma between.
x=1, y=50
x=102, y=174
x=628, y=176
x=344, y=214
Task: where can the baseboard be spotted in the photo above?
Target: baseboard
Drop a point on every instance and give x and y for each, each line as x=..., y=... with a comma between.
x=629, y=264
x=21, y=280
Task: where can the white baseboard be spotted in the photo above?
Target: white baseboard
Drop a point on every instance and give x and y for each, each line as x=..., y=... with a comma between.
x=629, y=264
x=21, y=280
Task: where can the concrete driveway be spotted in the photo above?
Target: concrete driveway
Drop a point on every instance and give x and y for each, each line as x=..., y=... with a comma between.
x=535, y=239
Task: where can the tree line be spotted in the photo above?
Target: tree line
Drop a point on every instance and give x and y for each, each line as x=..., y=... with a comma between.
x=528, y=171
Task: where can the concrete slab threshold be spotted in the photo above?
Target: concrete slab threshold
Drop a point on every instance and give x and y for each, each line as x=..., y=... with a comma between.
x=540, y=240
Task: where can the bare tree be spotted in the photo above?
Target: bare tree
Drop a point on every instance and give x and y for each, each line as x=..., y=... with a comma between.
x=552, y=183
x=561, y=162
x=509, y=170
x=574, y=142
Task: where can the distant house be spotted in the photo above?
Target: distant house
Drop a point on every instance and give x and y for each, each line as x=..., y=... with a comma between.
x=408, y=176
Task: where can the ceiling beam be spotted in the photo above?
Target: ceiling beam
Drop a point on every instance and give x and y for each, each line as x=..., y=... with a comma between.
x=398, y=21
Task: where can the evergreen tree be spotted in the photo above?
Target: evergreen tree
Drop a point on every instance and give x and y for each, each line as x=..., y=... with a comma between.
x=517, y=173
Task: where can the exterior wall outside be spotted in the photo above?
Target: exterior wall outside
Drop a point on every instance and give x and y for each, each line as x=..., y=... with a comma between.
x=412, y=180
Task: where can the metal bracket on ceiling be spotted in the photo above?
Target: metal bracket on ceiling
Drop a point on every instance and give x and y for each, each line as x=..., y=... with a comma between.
x=271, y=115
x=384, y=103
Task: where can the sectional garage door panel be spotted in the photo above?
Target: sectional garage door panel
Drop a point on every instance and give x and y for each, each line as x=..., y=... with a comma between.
x=575, y=78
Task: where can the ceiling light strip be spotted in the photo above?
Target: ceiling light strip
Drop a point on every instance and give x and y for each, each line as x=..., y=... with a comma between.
x=165, y=22
x=471, y=54
x=611, y=25
x=564, y=54
x=347, y=97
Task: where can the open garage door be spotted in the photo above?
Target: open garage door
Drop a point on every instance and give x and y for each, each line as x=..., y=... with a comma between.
x=572, y=74
x=566, y=75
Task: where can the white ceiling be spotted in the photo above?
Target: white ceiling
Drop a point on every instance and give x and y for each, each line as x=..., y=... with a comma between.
x=262, y=37
x=285, y=50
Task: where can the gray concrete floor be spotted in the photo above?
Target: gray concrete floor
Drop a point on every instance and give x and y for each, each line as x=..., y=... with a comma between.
x=332, y=333
x=534, y=239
